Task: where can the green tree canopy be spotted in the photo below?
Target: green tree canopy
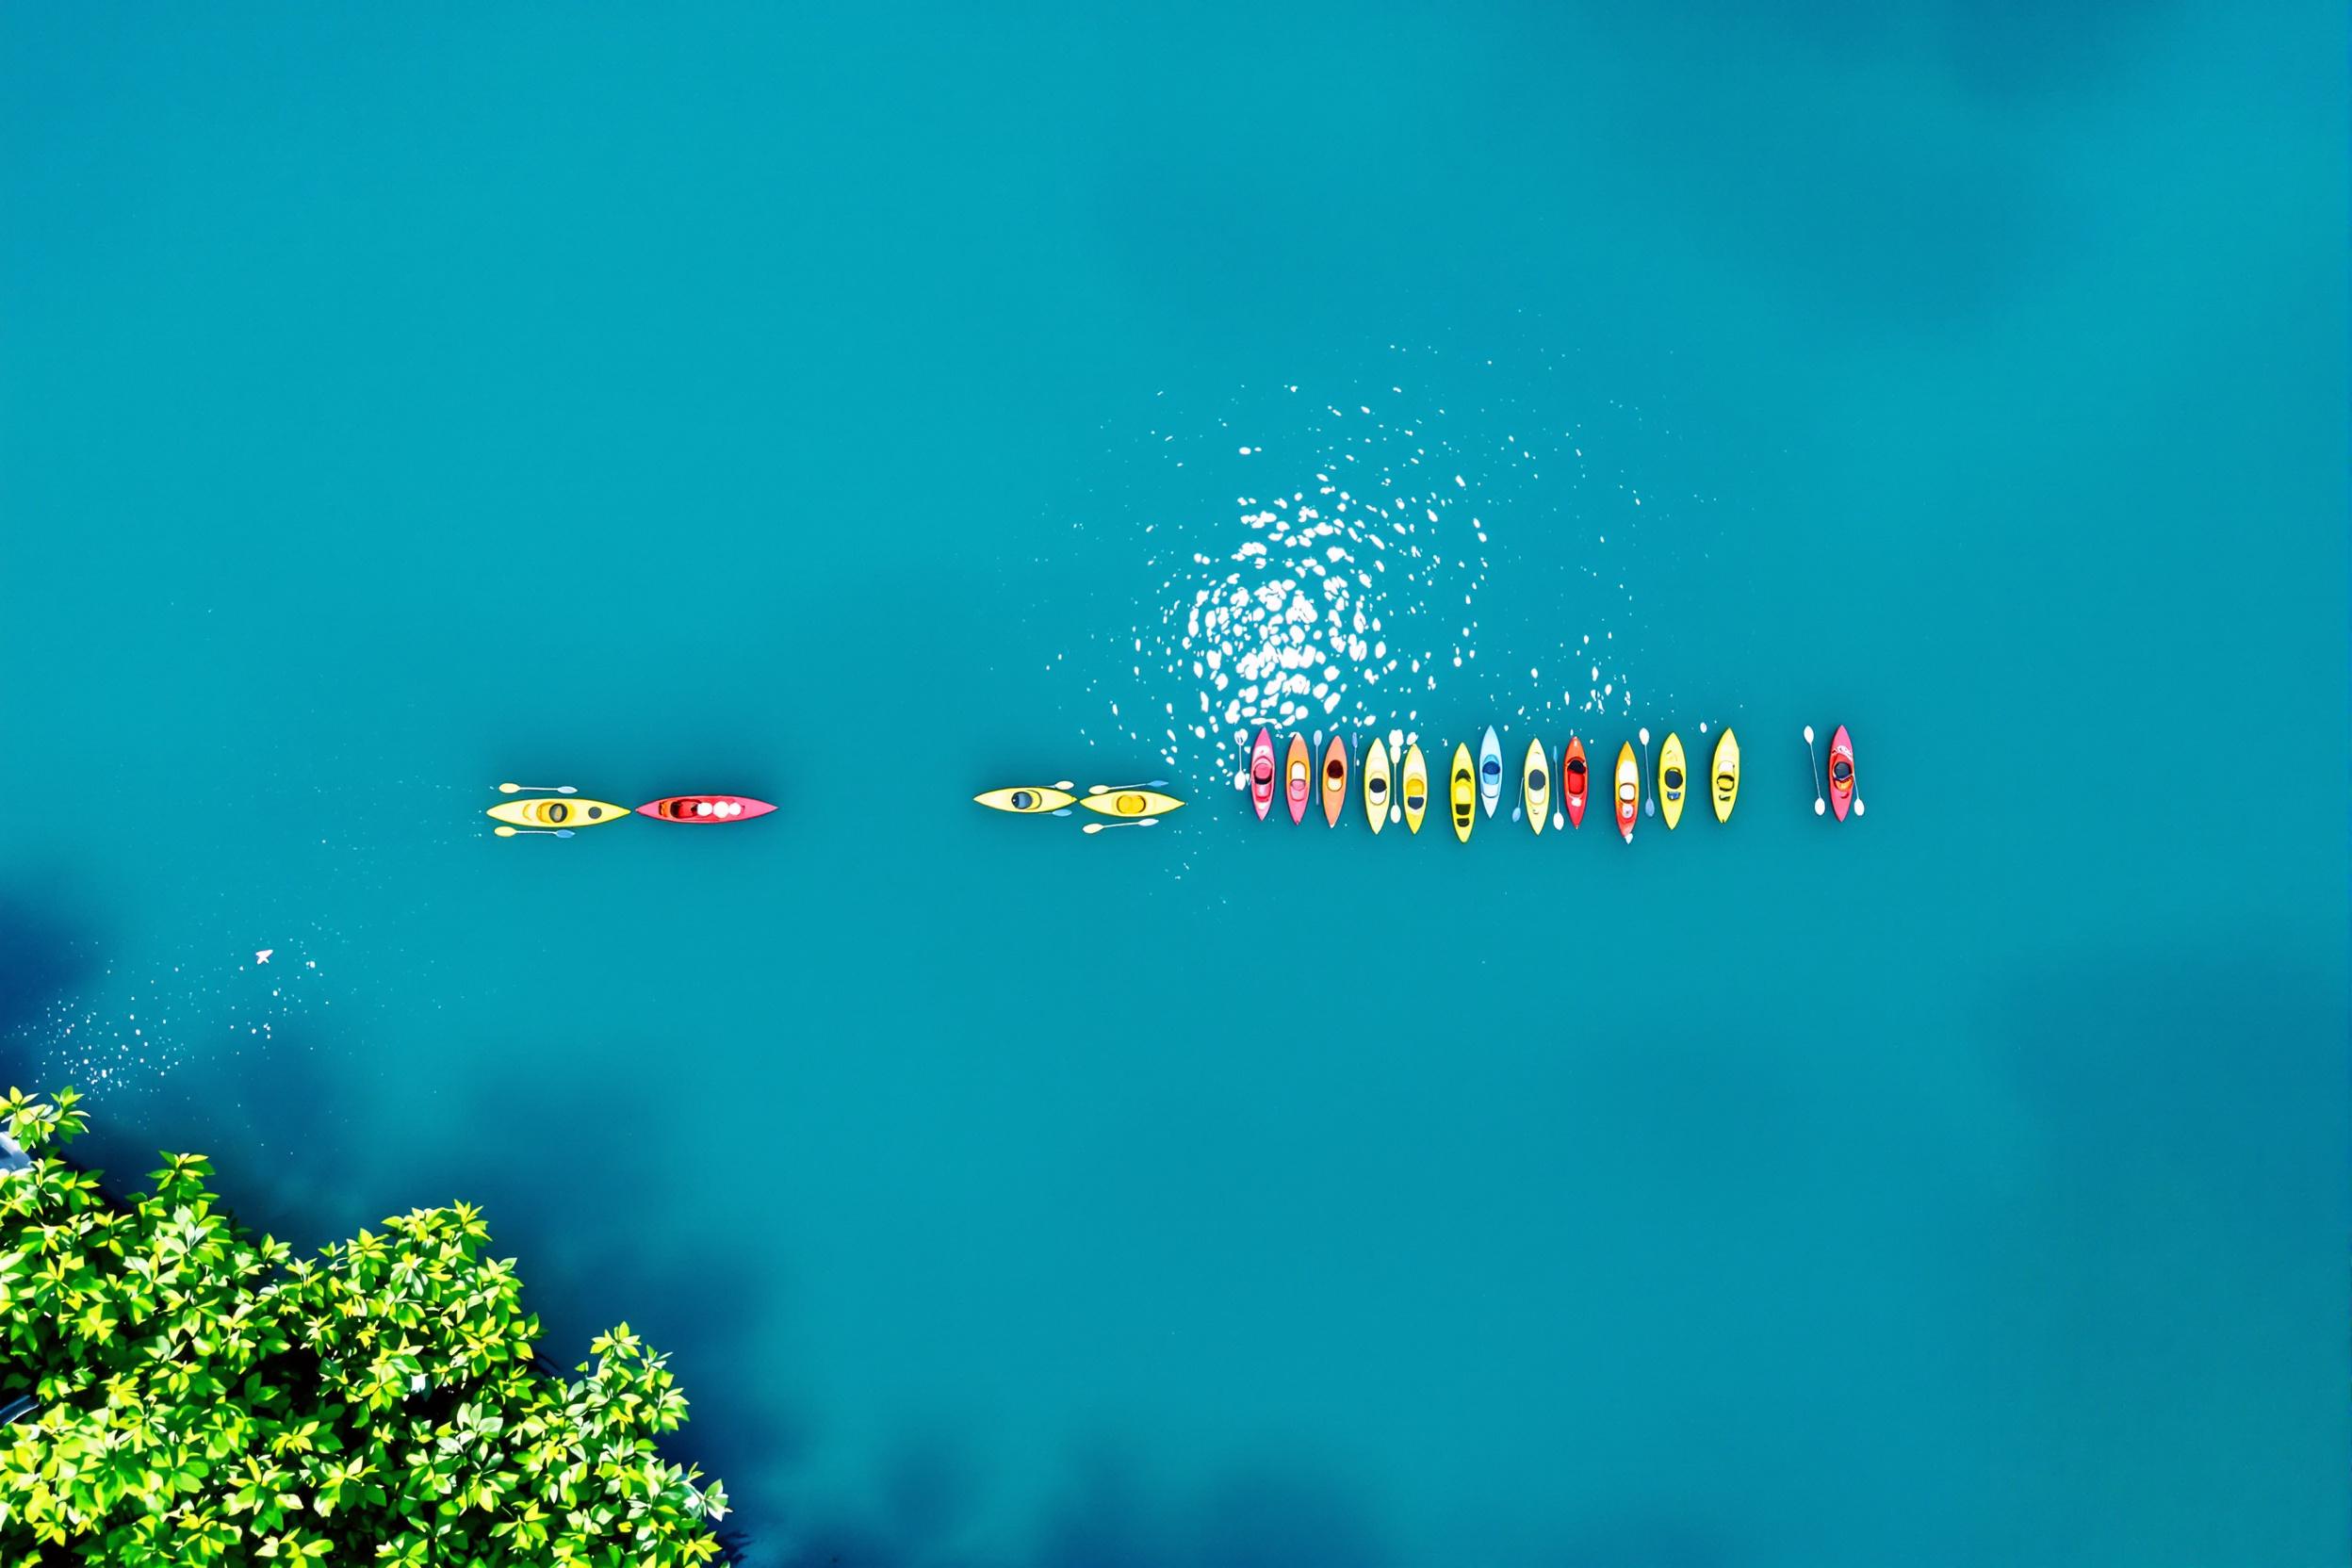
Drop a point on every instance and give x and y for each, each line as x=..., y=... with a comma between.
x=199, y=1396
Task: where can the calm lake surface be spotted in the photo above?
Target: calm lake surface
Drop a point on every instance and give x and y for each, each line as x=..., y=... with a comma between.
x=860, y=410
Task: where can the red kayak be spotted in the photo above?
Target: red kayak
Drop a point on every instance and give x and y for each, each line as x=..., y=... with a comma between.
x=1573, y=780
x=1297, y=782
x=704, y=808
x=1840, y=772
x=1262, y=774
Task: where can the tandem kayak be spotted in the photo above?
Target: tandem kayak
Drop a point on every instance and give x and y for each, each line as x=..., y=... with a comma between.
x=557, y=813
x=1130, y=803
x=1629, y=791
x=1535, y=786
x=1674, y=781
x=1726, y=772
x=725, y=807
x=1490, y=771
x=1462, y=791
x=1262, y=774
x=1416, y=785
x=1376, y=803
x=1335, y=780
x=1840, y=772
x=1295, y=784
x=1573, y=781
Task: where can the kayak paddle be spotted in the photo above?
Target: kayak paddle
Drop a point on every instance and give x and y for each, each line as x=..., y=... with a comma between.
x=504, y=832
x=1819, y=804
x=1649, y=797
x=1106, y=789
x=550, y=788
x=1099, y=827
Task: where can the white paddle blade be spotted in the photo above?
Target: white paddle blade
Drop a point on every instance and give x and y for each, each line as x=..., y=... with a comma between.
x=1861, y=810
x=503, y=832
x=1093, y=827
x=1808, y=734
x=1819, y=805
x=1645, y=736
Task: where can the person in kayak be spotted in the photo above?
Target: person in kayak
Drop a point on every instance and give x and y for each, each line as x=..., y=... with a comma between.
x=1842, y=770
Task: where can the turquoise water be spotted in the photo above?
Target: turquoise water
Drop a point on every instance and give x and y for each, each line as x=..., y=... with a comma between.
x=830, y=407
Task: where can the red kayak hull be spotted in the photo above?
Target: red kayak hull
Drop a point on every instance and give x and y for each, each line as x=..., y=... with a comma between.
x=682, y=808
x=1262, y=774
x=1568, y=775
x=1840, y=795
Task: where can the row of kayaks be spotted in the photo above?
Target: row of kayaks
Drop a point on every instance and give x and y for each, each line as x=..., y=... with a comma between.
x=561, y=813
x=1397, y=788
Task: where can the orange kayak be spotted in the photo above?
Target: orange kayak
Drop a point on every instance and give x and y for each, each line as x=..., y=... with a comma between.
x=1335, y=780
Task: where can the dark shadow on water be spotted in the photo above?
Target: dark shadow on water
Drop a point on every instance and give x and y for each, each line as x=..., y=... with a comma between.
x=45, y=955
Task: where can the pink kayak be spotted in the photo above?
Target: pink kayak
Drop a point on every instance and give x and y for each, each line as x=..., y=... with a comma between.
x=1840, y=772
x=1262, y=774
x=704, y=808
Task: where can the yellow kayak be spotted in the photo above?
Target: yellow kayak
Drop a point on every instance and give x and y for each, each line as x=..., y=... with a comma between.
x=1535, y=786
x=1132, y=802
x=1375, y=801
x=1672, y=782
x=1462, y=793
x=1416, y=787
x=1726, y=774
x=1026, y=799
x=557, y=813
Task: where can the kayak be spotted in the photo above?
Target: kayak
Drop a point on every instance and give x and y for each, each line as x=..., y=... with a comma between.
x=1574, y=781
x=1335, y=780
x=1535, y=786
x=1726, y=774
x=557, y=813
x=1376, y=785
x=1262, y=774
x=1021, y=797
x=1462, y=791
x=1130, y=803
x=1295, y=784
x=716, y=808
x=1490, y=771
x=1629, y=791
x=1840, y=772
x=1673, y=781
x=1416, y=783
